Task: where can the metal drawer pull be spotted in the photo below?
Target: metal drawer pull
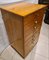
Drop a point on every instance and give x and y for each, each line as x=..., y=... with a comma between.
x=35, y=27
x=36, y=22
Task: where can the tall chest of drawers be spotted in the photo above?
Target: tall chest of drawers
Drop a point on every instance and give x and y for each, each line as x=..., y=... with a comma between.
x=23, y=23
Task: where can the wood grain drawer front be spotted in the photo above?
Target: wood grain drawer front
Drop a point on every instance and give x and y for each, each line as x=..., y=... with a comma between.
x=37, y=27
x=35, y=37
x=32, y=37
x=39, y=15
x=28, y=26
x=28, y=46
x=28, y=33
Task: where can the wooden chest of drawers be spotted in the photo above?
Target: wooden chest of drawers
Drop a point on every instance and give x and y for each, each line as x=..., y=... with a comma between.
x=23, y=23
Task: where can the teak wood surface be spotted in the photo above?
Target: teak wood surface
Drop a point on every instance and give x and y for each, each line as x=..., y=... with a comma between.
x=23, y=8
x=23, y=23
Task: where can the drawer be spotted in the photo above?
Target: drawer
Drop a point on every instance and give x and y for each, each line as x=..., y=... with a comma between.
x=28, y=27
x=32, y=40
x=28, y=47
x=37, y=21
x=35, y=37
x=38, y=16
x=28, y=37
x=37, y=27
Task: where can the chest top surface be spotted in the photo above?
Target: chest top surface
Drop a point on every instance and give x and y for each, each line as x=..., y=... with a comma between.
x=23, y=8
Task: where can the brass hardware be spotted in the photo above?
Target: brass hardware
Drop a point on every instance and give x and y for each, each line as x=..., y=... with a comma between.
x=36, y=22
x=35, y=27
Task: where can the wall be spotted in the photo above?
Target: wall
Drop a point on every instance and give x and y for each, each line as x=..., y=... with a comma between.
x=32, y=1
x=8, y=1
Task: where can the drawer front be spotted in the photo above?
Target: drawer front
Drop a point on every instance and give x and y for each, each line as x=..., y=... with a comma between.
x=32, y=26
x=28, y=27
x=38, y=16
x=31, y=41
x=35, y=37
x=28, y=33
x=36, y=27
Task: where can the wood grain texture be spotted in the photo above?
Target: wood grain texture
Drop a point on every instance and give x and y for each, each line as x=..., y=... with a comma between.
x=31, y=34
x=14, y=27
x=23, y=23
x=23, y=8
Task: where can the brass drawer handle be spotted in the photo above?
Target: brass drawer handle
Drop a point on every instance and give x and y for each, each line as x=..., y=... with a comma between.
x=36, y=22
x=35, y=27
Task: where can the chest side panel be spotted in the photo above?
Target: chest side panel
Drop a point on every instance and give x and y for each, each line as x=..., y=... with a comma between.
x=14, y=28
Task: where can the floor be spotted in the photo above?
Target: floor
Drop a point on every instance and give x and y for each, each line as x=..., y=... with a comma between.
x=39, y=52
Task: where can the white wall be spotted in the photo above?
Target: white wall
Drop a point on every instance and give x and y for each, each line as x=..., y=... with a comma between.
x=32, y=1
x=8, y=1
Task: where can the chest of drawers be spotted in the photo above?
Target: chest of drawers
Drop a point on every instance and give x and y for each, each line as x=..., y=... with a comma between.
x=23, y=23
